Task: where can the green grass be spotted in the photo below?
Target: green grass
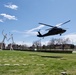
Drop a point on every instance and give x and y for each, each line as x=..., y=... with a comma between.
x=36, y=63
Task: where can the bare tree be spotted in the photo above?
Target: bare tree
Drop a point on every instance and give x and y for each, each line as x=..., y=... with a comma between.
x=54, y=42
x=51, y=43
x=37, y=44
x=66, y=41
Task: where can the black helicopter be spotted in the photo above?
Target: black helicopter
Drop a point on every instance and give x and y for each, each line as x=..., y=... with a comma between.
x=54, y=30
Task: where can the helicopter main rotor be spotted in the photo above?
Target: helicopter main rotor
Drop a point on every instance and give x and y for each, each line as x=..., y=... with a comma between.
x=55, y=25
x=46, y=24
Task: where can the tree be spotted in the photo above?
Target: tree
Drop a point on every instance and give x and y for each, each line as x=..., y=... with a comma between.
x=53, y=43
x=37, y=44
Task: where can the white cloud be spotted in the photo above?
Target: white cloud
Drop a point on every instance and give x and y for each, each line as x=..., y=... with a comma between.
x=30, y=32
x=34, y=30
x=16, y=31
x=23, y=43
x=37, y=28
x=7, y=16
x=72, y=37
x=11, y=6
x=1, y=20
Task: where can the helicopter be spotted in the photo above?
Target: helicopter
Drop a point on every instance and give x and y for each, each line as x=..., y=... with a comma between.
x=54, y=30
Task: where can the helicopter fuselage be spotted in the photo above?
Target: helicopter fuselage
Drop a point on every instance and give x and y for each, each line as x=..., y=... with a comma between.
x=53, y=31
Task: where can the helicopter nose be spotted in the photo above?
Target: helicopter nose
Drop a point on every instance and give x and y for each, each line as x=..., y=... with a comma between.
x=64, y=30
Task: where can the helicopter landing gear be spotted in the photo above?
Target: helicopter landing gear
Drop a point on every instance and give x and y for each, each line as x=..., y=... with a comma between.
x=60, y=34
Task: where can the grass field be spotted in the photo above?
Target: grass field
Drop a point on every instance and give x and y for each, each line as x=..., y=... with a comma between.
x=36, y=63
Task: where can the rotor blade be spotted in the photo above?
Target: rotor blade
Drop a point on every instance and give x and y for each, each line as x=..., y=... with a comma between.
x=48, y=29
x=63, y=23
x=46, y=24
x=66, y=22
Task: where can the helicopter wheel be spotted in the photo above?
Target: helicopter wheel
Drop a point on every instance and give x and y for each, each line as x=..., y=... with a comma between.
x=60, y=34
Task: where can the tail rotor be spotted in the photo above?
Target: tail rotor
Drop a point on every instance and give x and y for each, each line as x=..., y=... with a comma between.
x=39, y=34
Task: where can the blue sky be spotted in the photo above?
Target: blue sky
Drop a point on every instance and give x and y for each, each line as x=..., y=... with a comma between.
x=21, y=18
